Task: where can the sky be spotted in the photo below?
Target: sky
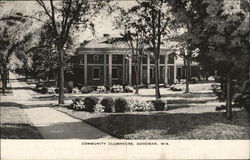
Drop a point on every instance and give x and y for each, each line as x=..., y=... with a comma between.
x=103, y=23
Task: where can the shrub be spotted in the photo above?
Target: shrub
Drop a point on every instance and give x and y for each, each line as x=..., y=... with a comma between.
x=108, y=103
x=78, y=104
x=99, y=108
x=128, y=89
x=65, y=90
x=140, y=105
x=51, y=90
x=90, y=103
x=70, y=86
x=101, y=89
x=76, y=90
x=175, y=88
x=44, y=90
x=159, y=105
x=242, y=99
x=116, y=89
x=120, y=105
x=86, y=90
x=194, y=80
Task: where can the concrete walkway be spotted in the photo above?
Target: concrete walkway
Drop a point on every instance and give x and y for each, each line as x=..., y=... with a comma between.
x=51, y=124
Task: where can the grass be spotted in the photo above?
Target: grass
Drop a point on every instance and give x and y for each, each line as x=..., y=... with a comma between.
x=16, y=125
x=182, y=124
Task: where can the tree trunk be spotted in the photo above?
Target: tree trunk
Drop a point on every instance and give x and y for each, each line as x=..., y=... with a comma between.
x=137, y=76
x=187, y=76
x=56, y=78
x=229, y=97
x=157, y=88
x=61, y=74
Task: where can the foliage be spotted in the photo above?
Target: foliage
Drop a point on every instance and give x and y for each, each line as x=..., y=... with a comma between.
x=78, y=104
x=116, y=89
x=99, y=108
x=90, y=103
x=242, y=98
x=120, y=105
x=51, y=90
x=128, y=89
x=108, y=103
x=65, y=90
x=140, y=105
x=101, y=89
x=76, y=90
x=159, y=105
x=44, y=90
x=86, y=90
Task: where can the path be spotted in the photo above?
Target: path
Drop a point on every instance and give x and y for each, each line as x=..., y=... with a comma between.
x=51, y=123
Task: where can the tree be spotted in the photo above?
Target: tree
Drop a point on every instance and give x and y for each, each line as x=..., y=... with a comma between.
x=155, y=19
x=13, y=34
x=228, y=41
x=65, y=17
x=134, y=38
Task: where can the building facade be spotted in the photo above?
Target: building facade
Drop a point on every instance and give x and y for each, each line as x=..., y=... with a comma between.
x=101, y=62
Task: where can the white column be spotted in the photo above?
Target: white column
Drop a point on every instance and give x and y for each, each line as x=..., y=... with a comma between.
x=141, y=71
x=110, y=69
x=175, y=70
x=130, y=70
x=105, y=69
x=123, y=69
x=166, y=70
x=85, y=69
x=148, y=69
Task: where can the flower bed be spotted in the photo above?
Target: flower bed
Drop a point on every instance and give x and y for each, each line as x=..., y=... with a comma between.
x=118, y=105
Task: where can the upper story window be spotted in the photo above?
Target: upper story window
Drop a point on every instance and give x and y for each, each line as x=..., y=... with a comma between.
x=96, y=57
x=114, y=57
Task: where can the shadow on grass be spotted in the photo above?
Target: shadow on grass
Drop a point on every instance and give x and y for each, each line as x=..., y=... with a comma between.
x=22, y=106
x=19, y=131
x=162, y=124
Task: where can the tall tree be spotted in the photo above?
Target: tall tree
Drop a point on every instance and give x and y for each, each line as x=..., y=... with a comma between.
x=155, y=19
x=65, y=17
x=228, y=41
x=13, y=34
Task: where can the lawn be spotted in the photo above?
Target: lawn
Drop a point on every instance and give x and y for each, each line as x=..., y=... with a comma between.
x=15, y=124
x=183, y=123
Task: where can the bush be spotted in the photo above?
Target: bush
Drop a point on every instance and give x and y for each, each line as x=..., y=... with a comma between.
x=175, y=88
x=128, y=89
x=78, y=104
x=194, y=80
x=70, y=86
x=51, y=90
x=99, y=108
x=242, y=99
x=90, y=103
x=65, y=90
x=140, y=105
x=86, y=90
x=44, y=90
x=108, y=103
x=116, y=89
x=120, y=105
x=101, y=89
x=76, y=90
x=159, y=105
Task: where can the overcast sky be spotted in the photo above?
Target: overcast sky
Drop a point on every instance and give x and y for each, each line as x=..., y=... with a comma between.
x=103, y=23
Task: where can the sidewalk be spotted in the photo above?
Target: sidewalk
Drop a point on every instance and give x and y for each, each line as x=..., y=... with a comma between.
x=51, y=123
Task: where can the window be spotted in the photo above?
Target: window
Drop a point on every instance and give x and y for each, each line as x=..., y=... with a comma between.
x=114, y=57
x=96, y=57
x=179, y=72
x=114, y=73
x=96, y=73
